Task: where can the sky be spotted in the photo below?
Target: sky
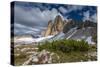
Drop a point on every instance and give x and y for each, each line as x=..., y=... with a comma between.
x=32, y=18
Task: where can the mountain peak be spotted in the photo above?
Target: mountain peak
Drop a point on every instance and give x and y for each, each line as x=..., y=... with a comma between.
x=54, y=27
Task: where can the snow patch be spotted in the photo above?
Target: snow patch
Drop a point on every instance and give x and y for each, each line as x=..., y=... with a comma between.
x=27, y=40
x=89, y=40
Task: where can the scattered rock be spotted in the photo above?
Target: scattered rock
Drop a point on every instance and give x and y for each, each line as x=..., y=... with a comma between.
x=92, y=54
x=42, y=57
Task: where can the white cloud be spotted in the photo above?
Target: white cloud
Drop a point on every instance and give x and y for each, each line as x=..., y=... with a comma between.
x=35, y=15
x=33, y=19
x=74, y=8
x=22, y=29
x=63, y=10
x=69, y=9
x=87, y=16
x=78, y=7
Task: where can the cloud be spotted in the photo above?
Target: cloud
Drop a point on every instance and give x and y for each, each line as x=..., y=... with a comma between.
x=70, y=8
x=22, y=29
x=33, y=19
x=75, y=8
x=62, y=10
x=87, y=16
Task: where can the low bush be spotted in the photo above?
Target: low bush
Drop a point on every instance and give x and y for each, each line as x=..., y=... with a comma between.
x=64, y=45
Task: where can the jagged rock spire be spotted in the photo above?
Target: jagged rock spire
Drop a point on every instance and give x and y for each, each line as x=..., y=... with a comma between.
x=55, y=27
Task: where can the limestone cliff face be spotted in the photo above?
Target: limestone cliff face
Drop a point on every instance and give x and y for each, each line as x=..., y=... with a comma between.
x=57, y=25
x=54, y=27
x=49, y=29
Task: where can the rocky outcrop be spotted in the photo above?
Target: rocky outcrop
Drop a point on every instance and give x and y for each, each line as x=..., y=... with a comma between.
x=55, y=27
x=42, y=57
x=88, y=23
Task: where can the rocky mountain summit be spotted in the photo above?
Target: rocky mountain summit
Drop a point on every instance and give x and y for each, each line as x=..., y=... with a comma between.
x=60, y=24
x=55, y=27
x=71, y=29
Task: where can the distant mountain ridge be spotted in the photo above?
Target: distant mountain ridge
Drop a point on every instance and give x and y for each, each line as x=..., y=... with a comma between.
x=77, y=30
x=61, y=25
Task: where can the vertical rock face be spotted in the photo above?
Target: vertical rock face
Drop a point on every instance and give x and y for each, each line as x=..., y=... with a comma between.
x=49, y=28
x=54, y=27
x=57, y=25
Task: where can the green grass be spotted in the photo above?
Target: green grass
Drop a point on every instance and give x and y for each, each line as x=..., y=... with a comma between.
x=95, y=38
x=65, y=46
x=72, y=57
x=69, y=50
